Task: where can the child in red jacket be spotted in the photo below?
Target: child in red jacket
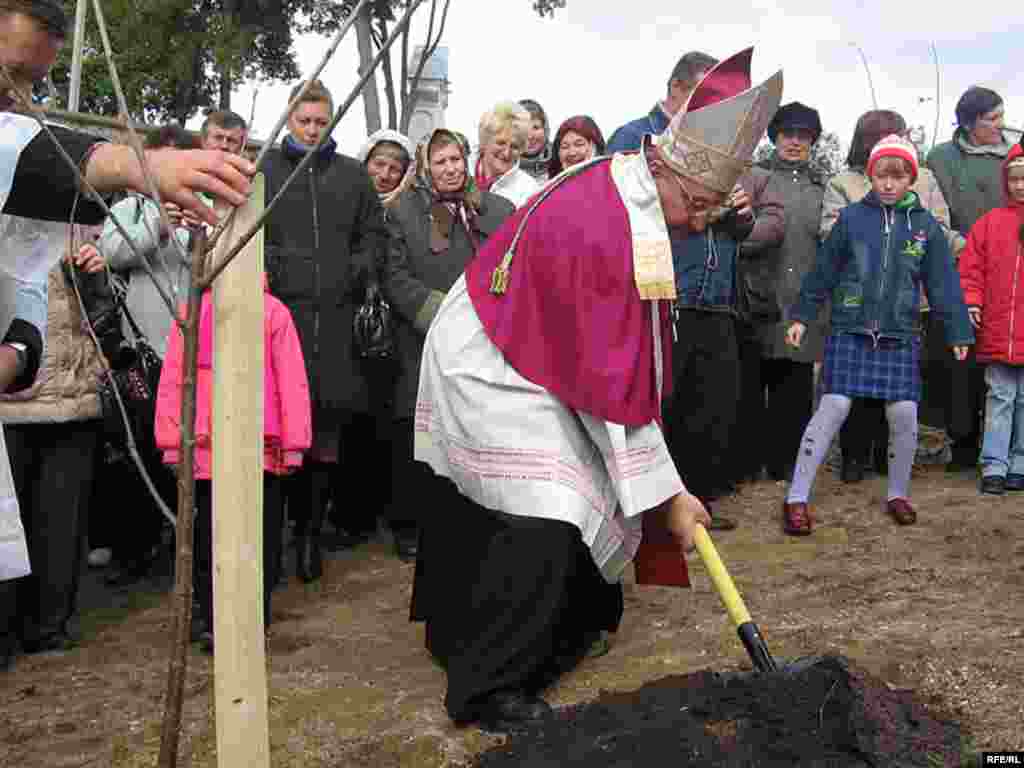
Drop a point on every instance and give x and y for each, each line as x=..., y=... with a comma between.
x=992, y=276
x=288, y=433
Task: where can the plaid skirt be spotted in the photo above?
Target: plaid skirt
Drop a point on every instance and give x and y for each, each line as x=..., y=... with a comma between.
x=854, y=366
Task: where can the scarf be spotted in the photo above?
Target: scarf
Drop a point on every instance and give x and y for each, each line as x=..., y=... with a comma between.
x=448, y=207
x=296, y=150
x=537, y=165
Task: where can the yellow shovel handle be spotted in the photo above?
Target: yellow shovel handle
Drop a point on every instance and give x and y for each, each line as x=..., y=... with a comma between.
x=720, y=577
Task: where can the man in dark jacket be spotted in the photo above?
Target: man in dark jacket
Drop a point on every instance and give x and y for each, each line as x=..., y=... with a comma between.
x=322, y=241
x=778, y=380
x=688, y=71
x=700, y=418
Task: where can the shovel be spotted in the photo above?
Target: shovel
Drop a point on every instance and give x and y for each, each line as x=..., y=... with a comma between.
x=750, y=635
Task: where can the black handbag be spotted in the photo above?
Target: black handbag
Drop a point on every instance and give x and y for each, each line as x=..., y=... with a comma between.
x=373, y=333
x=136, y=374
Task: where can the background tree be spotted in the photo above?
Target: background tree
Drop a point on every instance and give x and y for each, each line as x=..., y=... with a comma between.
x=400, y=92
x=178, y=56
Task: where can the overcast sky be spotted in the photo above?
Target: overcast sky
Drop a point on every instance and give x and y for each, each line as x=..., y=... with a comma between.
x=610, y=59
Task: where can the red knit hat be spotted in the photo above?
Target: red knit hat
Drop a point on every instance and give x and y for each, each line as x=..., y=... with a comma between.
x=894, y=146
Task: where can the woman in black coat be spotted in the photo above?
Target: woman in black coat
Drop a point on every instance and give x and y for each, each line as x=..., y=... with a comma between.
x=436, y=228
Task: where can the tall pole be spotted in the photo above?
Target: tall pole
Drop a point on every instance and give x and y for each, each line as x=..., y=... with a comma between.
x=74, y=92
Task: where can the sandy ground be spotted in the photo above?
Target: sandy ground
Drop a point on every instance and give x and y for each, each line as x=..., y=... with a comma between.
x=935, y=607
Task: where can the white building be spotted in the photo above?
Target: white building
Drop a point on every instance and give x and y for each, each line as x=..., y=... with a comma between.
x=431, y=98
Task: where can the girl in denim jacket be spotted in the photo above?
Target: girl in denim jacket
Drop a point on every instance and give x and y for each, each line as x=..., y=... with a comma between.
x=874, y=263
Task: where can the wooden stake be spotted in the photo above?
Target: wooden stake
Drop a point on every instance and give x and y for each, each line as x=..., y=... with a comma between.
x=181, y=603
x=240, y=680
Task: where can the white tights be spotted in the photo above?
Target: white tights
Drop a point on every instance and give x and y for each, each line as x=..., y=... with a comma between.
x=822, y=430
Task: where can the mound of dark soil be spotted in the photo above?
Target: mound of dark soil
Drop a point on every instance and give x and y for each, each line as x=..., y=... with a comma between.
x=821, y=713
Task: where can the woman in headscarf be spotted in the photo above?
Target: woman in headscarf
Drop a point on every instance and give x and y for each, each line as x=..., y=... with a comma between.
x=578, y=139
x=865, y=435
x=503, y=139
x=538, y=151
x=388, y=156
x=436, y=226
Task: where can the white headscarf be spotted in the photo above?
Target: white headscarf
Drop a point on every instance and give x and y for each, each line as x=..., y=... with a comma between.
x=386, y=134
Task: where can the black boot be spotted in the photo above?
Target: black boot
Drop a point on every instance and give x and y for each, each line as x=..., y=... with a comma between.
x=307, y=548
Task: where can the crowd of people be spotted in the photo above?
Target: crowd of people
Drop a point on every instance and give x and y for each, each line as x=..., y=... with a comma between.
x=586, y=335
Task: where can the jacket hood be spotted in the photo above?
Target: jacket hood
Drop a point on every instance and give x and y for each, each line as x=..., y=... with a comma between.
x=1015, y=152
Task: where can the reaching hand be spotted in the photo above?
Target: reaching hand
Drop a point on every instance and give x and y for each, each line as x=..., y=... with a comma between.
x=180, y=174
x=795, y=335
x=741, y=202
x=684, y=511
x=960, y=353
x=88, y=259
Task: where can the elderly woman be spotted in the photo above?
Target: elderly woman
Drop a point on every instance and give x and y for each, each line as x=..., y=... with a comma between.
x=969, y=171
x=538, y=152
x=577, y=140
x=436, y=228
x=866, y=426
x=495, y=166
x=388, y=156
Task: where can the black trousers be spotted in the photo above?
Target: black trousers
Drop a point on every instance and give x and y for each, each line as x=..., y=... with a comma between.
x=700, y=415
x=961, y=388
x=509, y=602
x=139, y=522
x=273, y=519
x=364, y=462
x=864, y=436
x=413, y=483
x=53, y=467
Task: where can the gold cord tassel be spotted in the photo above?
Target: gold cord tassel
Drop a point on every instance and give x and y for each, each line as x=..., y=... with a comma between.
x=499, y=279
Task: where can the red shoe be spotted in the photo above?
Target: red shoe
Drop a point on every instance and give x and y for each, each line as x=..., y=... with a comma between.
x=901, y=511
x=797, y=519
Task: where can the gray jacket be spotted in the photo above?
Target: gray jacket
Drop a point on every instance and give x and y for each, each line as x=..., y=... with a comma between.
x=140, y=218
x=774, y=271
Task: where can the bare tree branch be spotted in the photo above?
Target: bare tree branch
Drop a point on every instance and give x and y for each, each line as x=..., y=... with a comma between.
x=302, y=166
x=425, y=54
x=268, y=145
x=181, y=618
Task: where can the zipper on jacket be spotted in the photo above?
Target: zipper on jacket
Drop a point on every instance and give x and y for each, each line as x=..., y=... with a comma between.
x=316, y=264
x=1013, y=300
x=888, y=225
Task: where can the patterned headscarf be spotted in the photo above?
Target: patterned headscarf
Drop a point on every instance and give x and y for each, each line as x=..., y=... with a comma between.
x=446, y=207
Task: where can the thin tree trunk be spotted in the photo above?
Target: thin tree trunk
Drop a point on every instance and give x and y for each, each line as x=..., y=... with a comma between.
x=371, y=99
x=181, y=603
x=225, y=88
x=389, y=78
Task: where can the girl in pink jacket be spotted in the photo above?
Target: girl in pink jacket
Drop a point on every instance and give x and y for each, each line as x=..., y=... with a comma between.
x=287, y=425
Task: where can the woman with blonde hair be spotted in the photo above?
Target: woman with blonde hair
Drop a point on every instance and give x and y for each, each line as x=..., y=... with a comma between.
x=503, y=137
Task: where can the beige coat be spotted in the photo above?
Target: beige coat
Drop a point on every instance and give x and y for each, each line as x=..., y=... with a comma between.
x=65, y=387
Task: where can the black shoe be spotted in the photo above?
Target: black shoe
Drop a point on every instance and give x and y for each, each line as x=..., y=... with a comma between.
x=505, y=711
x=51, y=641
x=407, y=545
x=126, y=574
x=1014, y=482
x=309, y=560
x=852, y=471
x=994, y=485
x=206, y=642
x=7, y=652
x=199, y=628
